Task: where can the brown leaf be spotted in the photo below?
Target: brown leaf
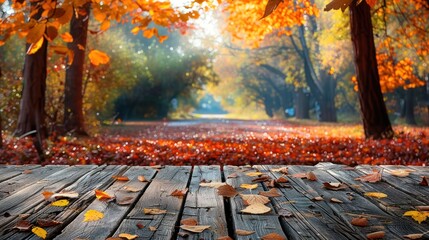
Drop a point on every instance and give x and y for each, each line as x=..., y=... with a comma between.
x=179, y=192
x=257, y=208
x=282, y=180
x=338, y=4
x=318, y=198
x=424, y=182
x=189, y=222
x=271, y=193
x=311, y=176
x=120, y=178
x=23, y=225
x=334, y=186
x=285, y=213
x=140, y=225
x=47, y=223
x=300, y=175
x=151, y=228
x=195, y=228
x=375, y=235
x=373, y=177
x=125, y=200
x=250, y=199
x=224, y=238
x=227, y=191
x=28, y=171
x=233, y=175
x=335, y=200
x=414, y=236
x=154, y=211
x=141, y=178
x=131, y=189
x=262, y=178
x=273, y=236
x=360, y=222
x=283, y=170
x=241, y=232
x=400, y=172
x=270, y=7
x=422, y=208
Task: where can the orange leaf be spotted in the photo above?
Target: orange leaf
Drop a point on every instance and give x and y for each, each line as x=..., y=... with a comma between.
x=372, y=177
x=121, y=178
x=189, y=222
x=241, y=232
x=36, y=33
x=97, y=57
x=360, y=222
x=102, y=196
x=67, y=37
x=375, y=235
x=371, y=3
x=271, y=193
x=34, y=47
x=179, y=192
x=273, y=236
x=105, y=25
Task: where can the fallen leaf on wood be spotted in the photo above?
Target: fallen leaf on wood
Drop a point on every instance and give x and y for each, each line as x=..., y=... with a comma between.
x=205, y=181
x=127, y=200
x=140, y=225
x=271, y=193
x=23, y=225
x=250, y=199
x=418, y=216
x=257, y=208
x=241, y=232
x=306, y=175
x=47, y=223
x=131, y=189
x=151, y=228
x=318, y=198
x=422, y=208
x=285, y=213
x=60, y=203
x=92, y=215
x=283, y=170
x=373, y=177
x=375, y=235
x=121, y=178
x=24, y=215
x=232, y=175
x=335, y=200
x=153, y=211
x=227, y=191
x=50, y=196
x=224, y=238
x=40, y=232
x=28, y=171
x=414, y=236
x=334, y=186
x=254, y=174
x=212, y=184
x=189, y=222
x=179, y=192
x=375, y=194
x=103, y=196
x=282, y=180
x=141, y=178
x=262, y=178
x=273, y=236
x=401, y=172
x=183, y=234
x=424, y=182
x=249, y=186
x=195, y=228
x=311, y=176
x=360, y=222
x=128, y=236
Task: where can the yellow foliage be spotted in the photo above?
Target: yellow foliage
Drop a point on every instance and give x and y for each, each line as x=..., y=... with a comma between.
x=60, y=203
x=375, y=194
x=418, y=216
x=40, y=232
x=93, y=215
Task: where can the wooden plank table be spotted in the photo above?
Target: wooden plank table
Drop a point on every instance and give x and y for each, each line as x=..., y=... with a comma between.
x=293, y=214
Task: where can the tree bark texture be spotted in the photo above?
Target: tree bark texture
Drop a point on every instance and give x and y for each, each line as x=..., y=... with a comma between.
x=73, y=94
x=375, y=119
x=409, y=106
x=302, y=104
x=1, y=129
x=328, y=112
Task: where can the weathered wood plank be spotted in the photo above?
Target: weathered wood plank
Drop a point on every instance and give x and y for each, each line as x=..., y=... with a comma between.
x=10, y=171
x=261, y=224
x=113, y=212
x=14, y=184
x=99, y=177
x=350, y=208
x=158, y=195
x=310, y=220
x=205, y=205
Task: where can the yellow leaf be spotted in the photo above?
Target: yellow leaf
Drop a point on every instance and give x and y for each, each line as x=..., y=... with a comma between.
x=98, y=57
x=376, y=194
x=93, y=215
x=254, y=174
x=249, y=186
x=34, y=47
x=135, y=30
x=67, y=37
x=40, y=232
x=257, y=208
x=418, y=216
x=128, y=236
x=60, y=203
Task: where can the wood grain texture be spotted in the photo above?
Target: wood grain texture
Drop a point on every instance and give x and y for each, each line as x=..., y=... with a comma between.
x=205, y=205
x=10, y=171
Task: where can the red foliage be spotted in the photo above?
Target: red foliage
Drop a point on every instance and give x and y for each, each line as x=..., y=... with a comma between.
x=226, y=142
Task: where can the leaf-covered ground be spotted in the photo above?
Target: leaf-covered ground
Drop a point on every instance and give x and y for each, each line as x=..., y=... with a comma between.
x=226, y=142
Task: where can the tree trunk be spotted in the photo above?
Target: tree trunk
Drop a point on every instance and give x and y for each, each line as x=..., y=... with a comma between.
x=73, y=95
x=1, y=136
x=409, y=106
x=302, y=104
x=32, y=107
x=328, y=111
x=376, y=122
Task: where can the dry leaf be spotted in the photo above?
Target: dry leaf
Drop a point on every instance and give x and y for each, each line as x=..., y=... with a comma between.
x=121, y=178
x=414, y=236
x=300, y=175
x=270, y=7
x=257, y=208
x=418, y=216
x=47, y=223
x=141, y=178
x=224, y=238
x=373, y=177
x=285, y=213
x=154, y=211
x=254, y=174
x=212, y=184
x=334, y=186
x=50, y=196
x=28, y=171
x=311, y=176
x=131, y=189
x=375, y=235
x=401, y=172
x=271, y=193
x=262, y=178
x=375, y=194
x=424, y=182
x=250, y=199
x=128, y=236
x=151, y=228
x=338, y=4
x=40, y=232
x=232, y=175
x=195, y=229
x=283, y=170
x=422, y=208
x=227, y=191
x=140, y=225
x=60, y=203
x=98, y=57
x=103, y=196
x=318, y=198
x=23, y=225
x=360, y=222
x=93, y=215
x=241, y=232
x=189, y=222
x=249, y=186
x=179, y=192
x=282, y=180
x=125, y=200
x=335, y=200
x=273, y=236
